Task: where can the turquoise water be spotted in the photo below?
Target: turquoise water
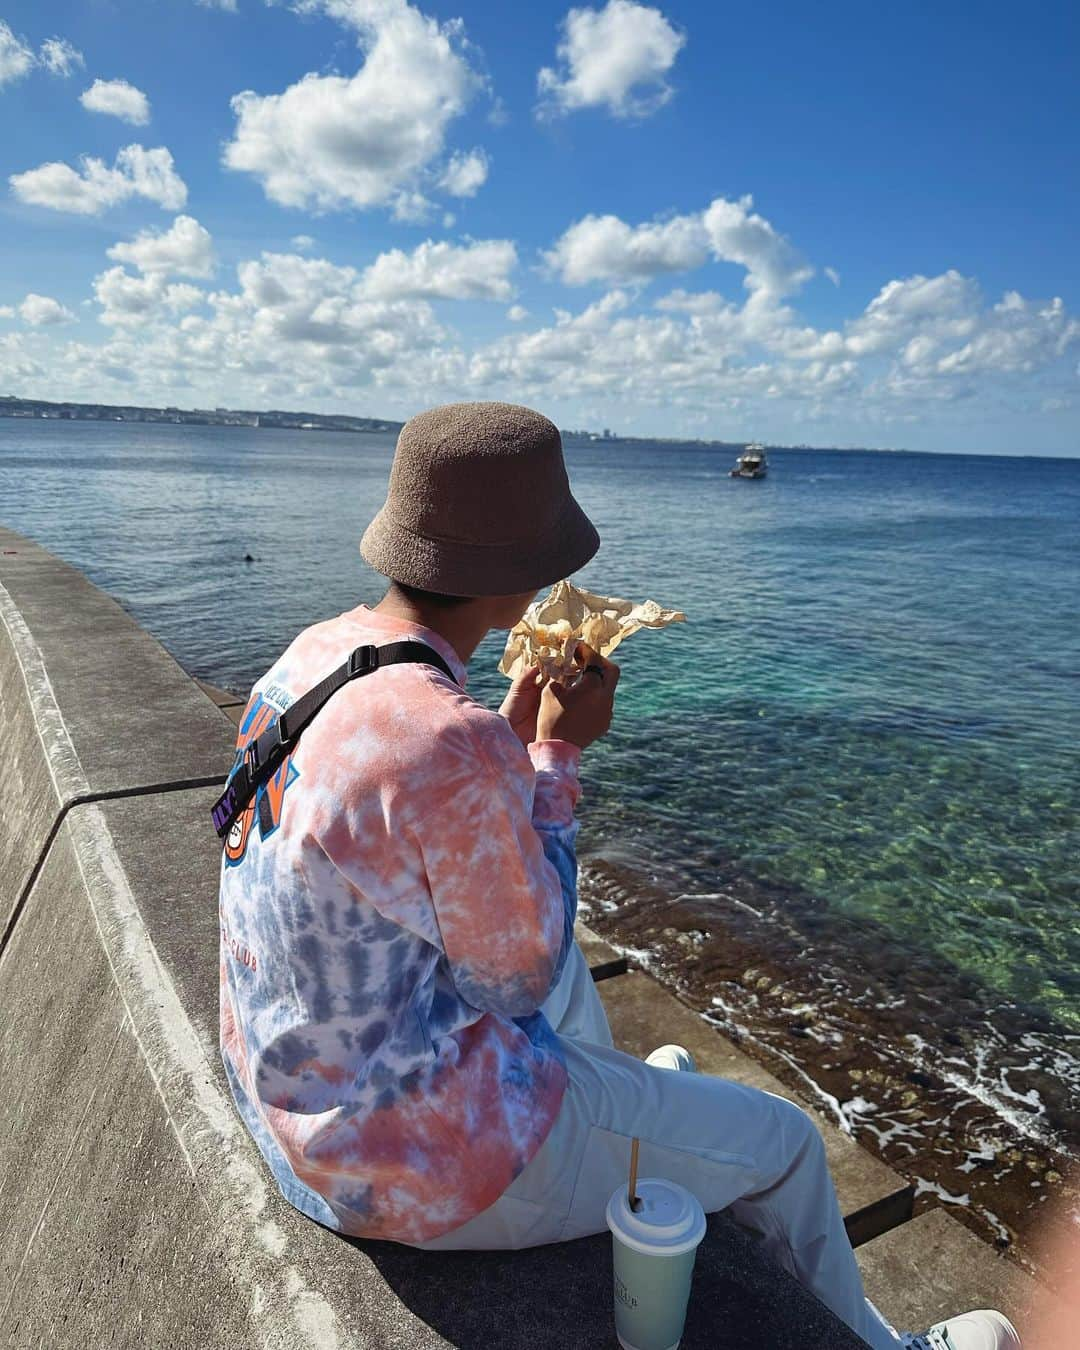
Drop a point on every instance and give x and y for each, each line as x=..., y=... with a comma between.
x=876, y=700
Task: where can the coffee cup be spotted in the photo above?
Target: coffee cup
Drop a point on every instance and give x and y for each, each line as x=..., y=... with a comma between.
x=654, y=1247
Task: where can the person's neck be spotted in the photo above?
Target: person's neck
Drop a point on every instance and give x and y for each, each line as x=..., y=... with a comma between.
x=463, y=626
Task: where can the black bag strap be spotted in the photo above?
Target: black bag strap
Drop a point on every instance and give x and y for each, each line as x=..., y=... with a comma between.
x=265, y=755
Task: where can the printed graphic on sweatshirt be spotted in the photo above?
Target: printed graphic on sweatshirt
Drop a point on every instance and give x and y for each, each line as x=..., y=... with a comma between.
x=266, y=806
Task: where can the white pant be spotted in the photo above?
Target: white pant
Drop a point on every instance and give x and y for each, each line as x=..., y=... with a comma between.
x=736, y=1148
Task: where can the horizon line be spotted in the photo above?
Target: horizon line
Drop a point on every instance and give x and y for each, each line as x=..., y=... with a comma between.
x=388, y=424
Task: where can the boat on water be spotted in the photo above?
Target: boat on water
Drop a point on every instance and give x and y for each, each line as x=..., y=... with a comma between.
x=751, y=463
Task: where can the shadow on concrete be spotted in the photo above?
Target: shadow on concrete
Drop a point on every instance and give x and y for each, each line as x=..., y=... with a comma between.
x=558, y=1297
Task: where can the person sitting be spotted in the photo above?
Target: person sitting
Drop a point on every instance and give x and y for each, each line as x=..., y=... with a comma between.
x=409, y=1029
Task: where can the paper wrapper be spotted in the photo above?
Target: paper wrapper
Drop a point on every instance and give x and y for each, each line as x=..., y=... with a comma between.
x=550, y=629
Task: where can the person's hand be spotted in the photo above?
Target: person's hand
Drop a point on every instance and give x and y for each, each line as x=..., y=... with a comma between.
x=579, y=709
x=522, y=704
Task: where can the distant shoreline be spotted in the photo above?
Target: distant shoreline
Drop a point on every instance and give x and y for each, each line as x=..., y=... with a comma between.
x=43, y=409
x=33, y=409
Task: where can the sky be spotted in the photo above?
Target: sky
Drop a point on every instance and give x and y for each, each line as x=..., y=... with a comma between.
x=840, y=224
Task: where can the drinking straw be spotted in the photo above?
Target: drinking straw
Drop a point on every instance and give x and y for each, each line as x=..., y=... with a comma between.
x=634, y=1199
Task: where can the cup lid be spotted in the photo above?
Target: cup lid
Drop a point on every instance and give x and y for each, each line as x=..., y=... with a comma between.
x=669, y=1222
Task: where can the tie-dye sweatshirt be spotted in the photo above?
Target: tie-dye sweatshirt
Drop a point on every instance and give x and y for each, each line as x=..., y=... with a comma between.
x=393, y=914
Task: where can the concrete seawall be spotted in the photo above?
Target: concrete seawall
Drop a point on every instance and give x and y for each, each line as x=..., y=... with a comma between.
x=137, y=1213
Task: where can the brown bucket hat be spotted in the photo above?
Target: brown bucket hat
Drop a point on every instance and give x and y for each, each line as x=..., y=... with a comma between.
x=479, y=504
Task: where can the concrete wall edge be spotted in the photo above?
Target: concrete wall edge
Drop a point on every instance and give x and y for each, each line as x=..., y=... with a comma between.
x=208, y=1131
x=290, y=1314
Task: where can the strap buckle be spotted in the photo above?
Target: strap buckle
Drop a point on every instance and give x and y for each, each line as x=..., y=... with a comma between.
x=363, y=661
x=250, y=762
x=262, y=761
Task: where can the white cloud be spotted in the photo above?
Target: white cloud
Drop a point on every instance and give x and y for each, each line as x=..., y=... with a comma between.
x=332, y=141
x=599, y=349
x=294, y=326
x=938, y=337
x=6, y=312
x=117, y=98
x=184, y=249
x=921, y=343
x=17, y=365
x=944, y=307
x=705, y=359
x=465, y=175
x=229, y=5
x=477, y=271
x=302, y=242
x=128, y=300
x=302, y=329
x=39, y=310
x=691, y=302
x=412, y=208
x=832, y=274
x=738, y=235
x=606, y=249
x=1017, y=336
x=16, y=58
x=310, y=318
x=616, y=58
x=59, y=57
x=94, y=187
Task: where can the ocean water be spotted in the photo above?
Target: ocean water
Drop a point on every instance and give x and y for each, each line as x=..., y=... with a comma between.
x=867, y=728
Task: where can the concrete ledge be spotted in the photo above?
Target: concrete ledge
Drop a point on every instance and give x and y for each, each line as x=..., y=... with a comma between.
x=220, y=698
x=604, y=961
x=108, y=1238
x=643, y=1015
x=75, y=671
x=29, y=799
x=934, y=1267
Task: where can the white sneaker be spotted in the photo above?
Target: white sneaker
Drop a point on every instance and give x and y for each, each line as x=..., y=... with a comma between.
x=983, y=1329
x=672, y=1057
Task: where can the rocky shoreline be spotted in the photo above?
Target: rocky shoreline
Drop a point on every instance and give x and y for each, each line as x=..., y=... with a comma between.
x=908, y=1056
